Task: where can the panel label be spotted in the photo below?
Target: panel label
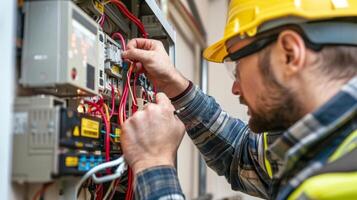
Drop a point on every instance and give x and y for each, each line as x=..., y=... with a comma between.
x=117, y=135
x=90, y=128
x=20, y=122
x=99, y=6
x=71, y=161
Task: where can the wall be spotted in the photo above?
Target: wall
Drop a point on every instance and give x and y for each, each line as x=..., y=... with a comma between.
x=213, y=14
x=187, y=62
x=219, y=86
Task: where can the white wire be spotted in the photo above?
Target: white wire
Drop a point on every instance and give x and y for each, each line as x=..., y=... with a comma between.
x=118, y=173
x=131, y=92
x=119, y=161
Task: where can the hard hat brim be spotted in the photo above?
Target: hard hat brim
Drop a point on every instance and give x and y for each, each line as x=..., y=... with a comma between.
x=216, y=52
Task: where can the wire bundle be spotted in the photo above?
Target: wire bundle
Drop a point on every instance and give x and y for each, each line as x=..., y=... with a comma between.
x=102, y=108
x=120, y=5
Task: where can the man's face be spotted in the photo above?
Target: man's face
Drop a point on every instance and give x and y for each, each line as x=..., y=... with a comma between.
x=271, y=105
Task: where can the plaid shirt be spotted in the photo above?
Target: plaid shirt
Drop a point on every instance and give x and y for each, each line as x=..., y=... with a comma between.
x=271, y=168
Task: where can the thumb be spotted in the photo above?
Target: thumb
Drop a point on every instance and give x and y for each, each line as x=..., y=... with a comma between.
x=162, y=99
x=137, y=55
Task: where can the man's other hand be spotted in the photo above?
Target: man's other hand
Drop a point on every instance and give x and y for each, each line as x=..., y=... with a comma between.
x=152, y=136
x=151, y=55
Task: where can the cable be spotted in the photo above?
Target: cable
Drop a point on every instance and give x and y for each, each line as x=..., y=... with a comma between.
x=129, y=193
x=109, y=191
x=132, y=17
x=102, y=20
x=113, y=102
x=96, y=169
x=118, y=173
x=41, y=191
x=99, y=192
x=114, y=190
x=107, y=127
x=131, y=92
x=122, y=40
x=135, y=93
x=127, y=88
x=111, y=134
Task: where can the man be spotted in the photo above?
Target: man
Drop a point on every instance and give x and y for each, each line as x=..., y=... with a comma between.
x=295, y=69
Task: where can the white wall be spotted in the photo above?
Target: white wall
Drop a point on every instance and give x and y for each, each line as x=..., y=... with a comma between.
x=187, y=154
x=219, y=86
x=213, y=14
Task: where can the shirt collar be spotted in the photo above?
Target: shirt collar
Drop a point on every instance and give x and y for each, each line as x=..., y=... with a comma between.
x=314, y=127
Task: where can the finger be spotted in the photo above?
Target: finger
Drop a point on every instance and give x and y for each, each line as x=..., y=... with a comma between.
x=162, y=99
x=139, y=68
x=146, y=105
x=137, y=55
x=140, y=43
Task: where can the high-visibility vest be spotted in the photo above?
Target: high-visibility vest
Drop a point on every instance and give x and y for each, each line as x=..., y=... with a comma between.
x=337, y=179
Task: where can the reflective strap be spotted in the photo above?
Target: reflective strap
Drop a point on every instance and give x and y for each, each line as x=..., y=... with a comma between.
x=334, y=185
x=266, y=161
x=347, y=146
x=328, y=186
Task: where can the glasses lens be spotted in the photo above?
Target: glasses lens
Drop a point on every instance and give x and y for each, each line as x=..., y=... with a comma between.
x=231, y=69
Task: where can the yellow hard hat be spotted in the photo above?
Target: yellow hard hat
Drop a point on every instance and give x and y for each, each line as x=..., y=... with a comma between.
x=245, y=17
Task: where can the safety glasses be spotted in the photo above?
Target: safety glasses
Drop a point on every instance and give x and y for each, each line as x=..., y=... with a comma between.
x=251, y=48
x=232, y=60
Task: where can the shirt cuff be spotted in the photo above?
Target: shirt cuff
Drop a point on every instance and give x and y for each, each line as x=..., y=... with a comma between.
x=158, y=183
x=183, y=93
x=183, y=99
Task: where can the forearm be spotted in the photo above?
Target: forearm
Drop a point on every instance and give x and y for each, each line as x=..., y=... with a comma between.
x=210, y=128
x=227, y=144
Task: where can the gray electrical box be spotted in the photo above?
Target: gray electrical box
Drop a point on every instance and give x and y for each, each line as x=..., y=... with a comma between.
x=36, y=130
x=62, y=49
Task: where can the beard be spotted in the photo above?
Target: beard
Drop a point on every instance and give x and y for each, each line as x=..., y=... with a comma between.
x=278, y=108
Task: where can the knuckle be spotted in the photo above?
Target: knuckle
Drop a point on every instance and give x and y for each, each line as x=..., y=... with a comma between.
x=151, y=108
x=159, y=43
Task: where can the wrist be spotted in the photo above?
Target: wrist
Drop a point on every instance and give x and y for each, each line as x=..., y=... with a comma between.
x=175, y=84
x=150, y=163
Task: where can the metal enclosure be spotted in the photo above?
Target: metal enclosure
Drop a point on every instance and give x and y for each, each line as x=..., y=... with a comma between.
x=60, y=51
x=36, y=130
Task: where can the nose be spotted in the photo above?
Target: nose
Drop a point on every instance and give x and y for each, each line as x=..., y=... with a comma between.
x=236, y=88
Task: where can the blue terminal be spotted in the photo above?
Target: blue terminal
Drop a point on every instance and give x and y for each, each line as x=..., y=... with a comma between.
x=82, y=165
x=92, y=161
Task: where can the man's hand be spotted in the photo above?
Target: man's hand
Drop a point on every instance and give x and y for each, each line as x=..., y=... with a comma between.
x=158, y=67
x=152, y=136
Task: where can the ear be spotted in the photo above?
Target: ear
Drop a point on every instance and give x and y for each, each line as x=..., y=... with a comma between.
x=292, y=51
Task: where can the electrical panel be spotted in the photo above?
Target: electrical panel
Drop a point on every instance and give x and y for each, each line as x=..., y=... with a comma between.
x=60, y=49
x=74, y=89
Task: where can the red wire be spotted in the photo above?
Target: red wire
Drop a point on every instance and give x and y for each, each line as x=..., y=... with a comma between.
x=132, y=17
x=122, y=106
x=121, y=119
x=99, y=192
x=129, y=193
x=42, y=190
x=115, y=185
x=101, y=23
x=113, y=101
x=122, y=40
x=107, y=129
